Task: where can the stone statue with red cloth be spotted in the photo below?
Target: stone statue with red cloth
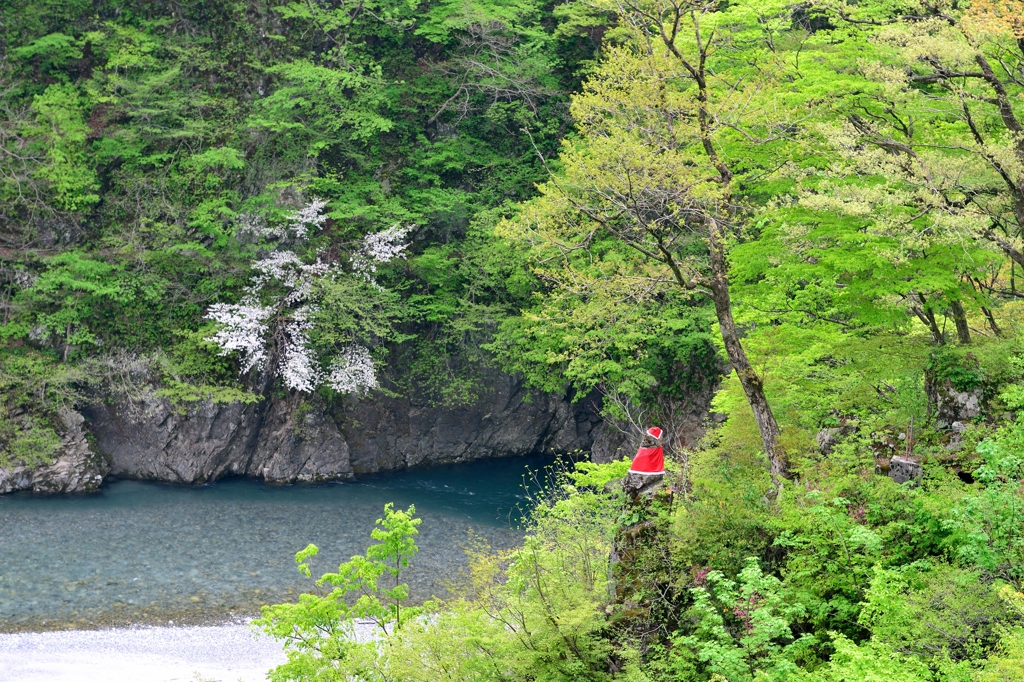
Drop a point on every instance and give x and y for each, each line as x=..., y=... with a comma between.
x=635, y=540
x=648, y=467
x=650, y=457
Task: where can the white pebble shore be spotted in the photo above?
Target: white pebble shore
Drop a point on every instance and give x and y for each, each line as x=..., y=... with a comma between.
x=224, y=653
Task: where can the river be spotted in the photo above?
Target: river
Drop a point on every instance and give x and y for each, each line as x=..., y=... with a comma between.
x=150, y=553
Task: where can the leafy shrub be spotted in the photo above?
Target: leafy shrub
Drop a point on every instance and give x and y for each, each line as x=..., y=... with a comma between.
x=987, y=525
x=319, y=631
x=739, y=630
x=932, y=610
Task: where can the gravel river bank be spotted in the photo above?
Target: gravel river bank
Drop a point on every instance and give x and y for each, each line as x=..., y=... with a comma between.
x=225, y=653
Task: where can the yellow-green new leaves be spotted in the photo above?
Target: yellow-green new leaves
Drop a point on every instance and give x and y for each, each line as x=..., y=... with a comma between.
x=936, y=121
x=61, y=130
x=321, y=640
x=303, y=557
x=904, y=211
x=672, y=124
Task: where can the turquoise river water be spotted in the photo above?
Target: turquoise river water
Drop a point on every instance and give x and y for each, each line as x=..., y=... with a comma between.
x=151, y=553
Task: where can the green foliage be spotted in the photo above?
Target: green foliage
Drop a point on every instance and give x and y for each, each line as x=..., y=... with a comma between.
x=319, y=631
x=1008, y=664
x=192, y=371
x=529, y=614
x=61, y=130
x=589, y=474
x=34, y=392
x=964, y=373
x=73, y=291
x=987, y=525
x=934, y=610
x=831, y=557
x=741, y=630
x=869, y=662
x=30, y=444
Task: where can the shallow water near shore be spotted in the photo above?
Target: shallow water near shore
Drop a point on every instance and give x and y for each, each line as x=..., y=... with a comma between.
x=151, y=553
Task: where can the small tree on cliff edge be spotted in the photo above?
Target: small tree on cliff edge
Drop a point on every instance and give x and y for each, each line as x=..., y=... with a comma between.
x=682, y=111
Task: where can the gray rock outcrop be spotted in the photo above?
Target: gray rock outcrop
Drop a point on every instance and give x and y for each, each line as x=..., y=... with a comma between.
x=287, y=439
x=955, y=389
x=77, y=467
x=611, y=443
x=951, y=405
x=272, y=439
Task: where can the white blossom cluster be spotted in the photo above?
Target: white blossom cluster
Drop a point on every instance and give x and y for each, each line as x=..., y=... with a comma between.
x=352, y=371
x=243, y=329
x=308, y=218
x=254, y=224
x=300, y=370
x=279, y=265
x=288, y=269
x=380, y=247
x=240, y=331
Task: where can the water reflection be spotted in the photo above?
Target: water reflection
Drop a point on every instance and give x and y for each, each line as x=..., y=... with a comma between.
x=148, y=552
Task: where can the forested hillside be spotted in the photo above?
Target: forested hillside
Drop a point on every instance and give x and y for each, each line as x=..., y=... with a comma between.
x=156, y=155
x=817, y=206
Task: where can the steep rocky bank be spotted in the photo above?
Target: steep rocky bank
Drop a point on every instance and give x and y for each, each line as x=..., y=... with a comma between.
x=78, y=467
x=284, y=439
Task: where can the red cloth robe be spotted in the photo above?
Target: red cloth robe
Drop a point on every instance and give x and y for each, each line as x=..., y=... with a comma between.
x=649, y=461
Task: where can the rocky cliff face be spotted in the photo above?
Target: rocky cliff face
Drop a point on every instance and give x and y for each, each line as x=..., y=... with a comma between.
x=287, y=439
x=271, y=439
x=77, y=468
x=290, y=438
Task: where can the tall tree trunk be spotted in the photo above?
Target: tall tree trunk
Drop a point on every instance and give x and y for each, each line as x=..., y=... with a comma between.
x=927, y=317
x=980, y=288
x=992, y=321
x=749, y=379
x=963, y=332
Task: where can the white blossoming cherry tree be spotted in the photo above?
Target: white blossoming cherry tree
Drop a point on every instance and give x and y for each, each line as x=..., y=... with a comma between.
x=306, y=320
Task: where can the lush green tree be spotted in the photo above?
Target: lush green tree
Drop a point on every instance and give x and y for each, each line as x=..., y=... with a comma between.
x=673, y=123
x=940, y=119
x=320, y=637
x=907, y=203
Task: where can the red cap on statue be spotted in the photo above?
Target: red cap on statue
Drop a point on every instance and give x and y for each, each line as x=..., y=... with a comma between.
x=650, y=458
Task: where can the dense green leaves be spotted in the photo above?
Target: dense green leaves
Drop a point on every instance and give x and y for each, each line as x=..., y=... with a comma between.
x=140, y=139
x=319, y=632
